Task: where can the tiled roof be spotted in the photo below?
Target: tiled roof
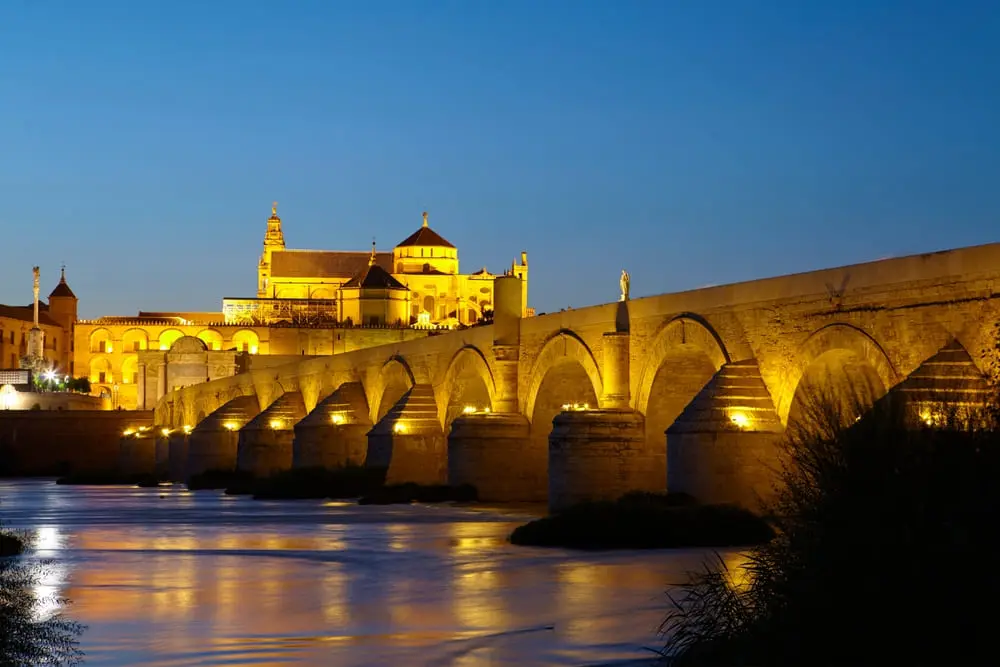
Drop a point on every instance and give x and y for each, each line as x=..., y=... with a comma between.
x=425, y=236
x=375, y=276
x=323, y=263
x=27, y=314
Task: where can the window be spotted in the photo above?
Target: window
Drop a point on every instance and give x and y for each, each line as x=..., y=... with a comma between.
x=135, y=346
x=55, y=343
x=102, y=346
x=135, y=377
x=102, y=377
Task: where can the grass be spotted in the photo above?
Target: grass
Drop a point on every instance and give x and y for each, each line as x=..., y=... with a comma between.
x=335, y=483
x=645, y=521
x=885, y=533
x=110, y=479
x=419, y=493
x=218, y=479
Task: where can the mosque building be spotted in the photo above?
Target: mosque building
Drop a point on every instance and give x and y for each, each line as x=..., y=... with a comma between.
x=308, y=302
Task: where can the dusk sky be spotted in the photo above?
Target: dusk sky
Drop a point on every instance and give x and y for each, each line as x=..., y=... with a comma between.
x=691, y=143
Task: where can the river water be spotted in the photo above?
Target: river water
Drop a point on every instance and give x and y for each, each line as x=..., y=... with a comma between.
x=166, y=577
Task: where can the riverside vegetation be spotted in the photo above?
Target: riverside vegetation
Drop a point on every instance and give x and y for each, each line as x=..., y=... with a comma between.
x=884, y=532
x=24, y=638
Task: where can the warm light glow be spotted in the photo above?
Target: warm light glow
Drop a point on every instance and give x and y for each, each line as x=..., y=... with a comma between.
x=165, y=432
x=231, y=426
x=8, y=397
x=929, y=417
x=49, y=375
x=127, y=432
x=399, y=427
x=740, y=419
x=468, y=409
x=253, y=349
x=188, y=428
x=164, y=346
x=575, y=407
x=109, y=348
x=277, y=423
x=143, y=429
x=337, y=418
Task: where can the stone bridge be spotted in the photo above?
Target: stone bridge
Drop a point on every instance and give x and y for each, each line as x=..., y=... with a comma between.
x=687, y=391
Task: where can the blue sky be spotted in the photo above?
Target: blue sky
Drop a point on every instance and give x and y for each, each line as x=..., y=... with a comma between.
x=693, y=143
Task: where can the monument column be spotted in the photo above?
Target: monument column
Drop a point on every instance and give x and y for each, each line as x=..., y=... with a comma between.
x=141, y=389
x=161, y=379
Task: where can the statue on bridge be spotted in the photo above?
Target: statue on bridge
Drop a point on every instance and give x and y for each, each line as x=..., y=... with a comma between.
x=624, y=284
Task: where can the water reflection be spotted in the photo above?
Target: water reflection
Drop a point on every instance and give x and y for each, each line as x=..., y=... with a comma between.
x=165, y=577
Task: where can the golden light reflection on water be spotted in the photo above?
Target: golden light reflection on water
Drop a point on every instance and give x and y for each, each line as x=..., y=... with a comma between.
x=412, y=586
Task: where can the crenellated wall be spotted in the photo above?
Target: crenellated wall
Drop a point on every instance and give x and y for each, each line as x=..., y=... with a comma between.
x=774, y=340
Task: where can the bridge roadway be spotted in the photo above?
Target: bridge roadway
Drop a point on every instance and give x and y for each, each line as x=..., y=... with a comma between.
x=688, y=391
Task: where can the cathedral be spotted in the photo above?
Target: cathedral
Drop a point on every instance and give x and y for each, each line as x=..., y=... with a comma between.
x=307, y=302
x=417, y=284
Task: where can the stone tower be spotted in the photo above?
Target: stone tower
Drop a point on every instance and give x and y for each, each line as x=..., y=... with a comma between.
x=274, y=239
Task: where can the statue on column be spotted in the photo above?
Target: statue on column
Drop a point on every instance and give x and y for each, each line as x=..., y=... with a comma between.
x=624, y=284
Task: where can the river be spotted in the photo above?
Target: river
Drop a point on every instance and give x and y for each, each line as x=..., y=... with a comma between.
x=166, y=577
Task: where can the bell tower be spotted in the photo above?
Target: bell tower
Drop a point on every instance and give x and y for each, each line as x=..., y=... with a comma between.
x=274, y=239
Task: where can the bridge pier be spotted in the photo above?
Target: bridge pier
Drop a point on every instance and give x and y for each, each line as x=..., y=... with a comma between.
x=335, y=433
x=408, y=442
x=493, y=452
x=177, y=454
x=213, y=444
x=723, y=447
x=599, y=455
x=265, y=443
x=137, y=453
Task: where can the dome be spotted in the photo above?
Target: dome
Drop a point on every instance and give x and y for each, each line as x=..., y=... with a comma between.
x=426, y=237
x=374, y=277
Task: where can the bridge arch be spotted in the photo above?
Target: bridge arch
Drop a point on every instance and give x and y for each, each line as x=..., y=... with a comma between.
x=564, y=348
x=684, y=333
x=838, y=362
x=681, y=358
x=468, y=381
x=395, y=378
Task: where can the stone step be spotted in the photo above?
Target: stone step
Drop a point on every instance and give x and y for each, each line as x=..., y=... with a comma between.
x=347, y=405
x=735, y=399
x=231, y=416
x=282, y=414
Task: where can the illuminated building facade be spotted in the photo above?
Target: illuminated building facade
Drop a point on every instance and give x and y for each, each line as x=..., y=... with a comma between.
x=308, y=303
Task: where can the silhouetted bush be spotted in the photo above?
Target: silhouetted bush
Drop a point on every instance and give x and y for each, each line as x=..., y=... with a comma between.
x=109, y=479
x=218, y=479
x=885, y=531
x=419, y=493
x=24, y=638
x=642, y=520
x=317, y=482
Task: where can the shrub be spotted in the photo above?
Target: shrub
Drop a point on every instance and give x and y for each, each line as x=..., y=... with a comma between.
x=640, y=520
x=882, y=529
x=349, y=481
x=419, y=493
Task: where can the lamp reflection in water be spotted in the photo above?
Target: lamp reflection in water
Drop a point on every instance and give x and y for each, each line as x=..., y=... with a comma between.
x=53, y=577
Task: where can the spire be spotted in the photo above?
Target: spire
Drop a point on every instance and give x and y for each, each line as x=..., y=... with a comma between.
x=425, y=218
x=274, y=209
x=371, y=260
